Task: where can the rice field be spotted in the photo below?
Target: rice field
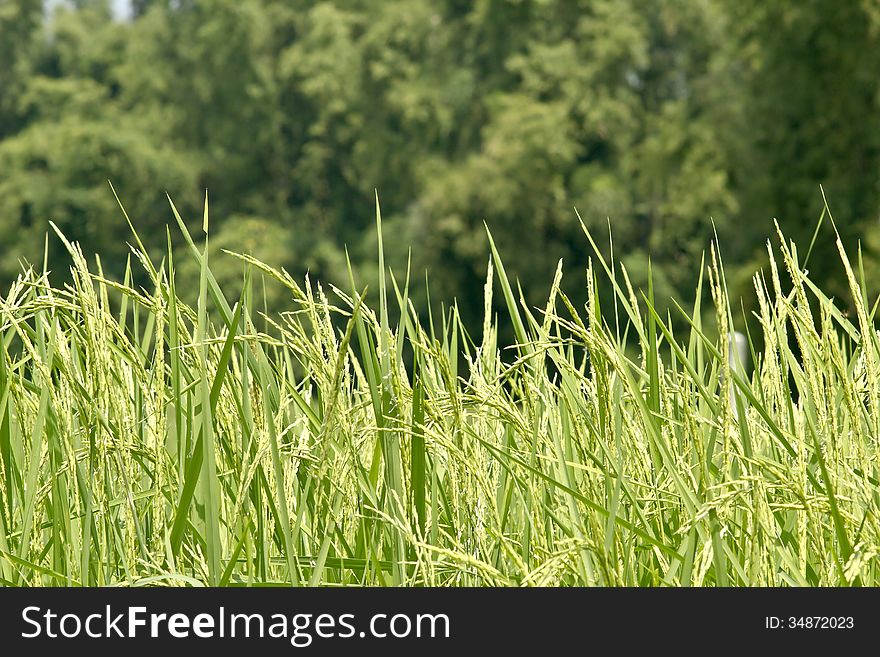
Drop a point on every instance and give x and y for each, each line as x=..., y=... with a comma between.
x=145, y=441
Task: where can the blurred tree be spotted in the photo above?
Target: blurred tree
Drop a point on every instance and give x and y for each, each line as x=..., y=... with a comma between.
x=607, y=106
x=59, y=171
x=20, y=22
x=262, y=238
x=670, y=120
x=77, y=138
x=810, y=92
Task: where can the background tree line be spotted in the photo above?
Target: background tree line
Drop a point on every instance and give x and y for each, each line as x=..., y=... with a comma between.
x=670, y=119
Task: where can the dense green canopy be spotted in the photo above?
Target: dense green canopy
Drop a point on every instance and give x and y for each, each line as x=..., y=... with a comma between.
x=670, y=120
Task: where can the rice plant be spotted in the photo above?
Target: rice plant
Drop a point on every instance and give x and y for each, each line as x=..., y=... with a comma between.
x=146, y=441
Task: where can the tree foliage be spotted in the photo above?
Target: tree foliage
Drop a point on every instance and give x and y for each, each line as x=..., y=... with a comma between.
x=669, y=121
